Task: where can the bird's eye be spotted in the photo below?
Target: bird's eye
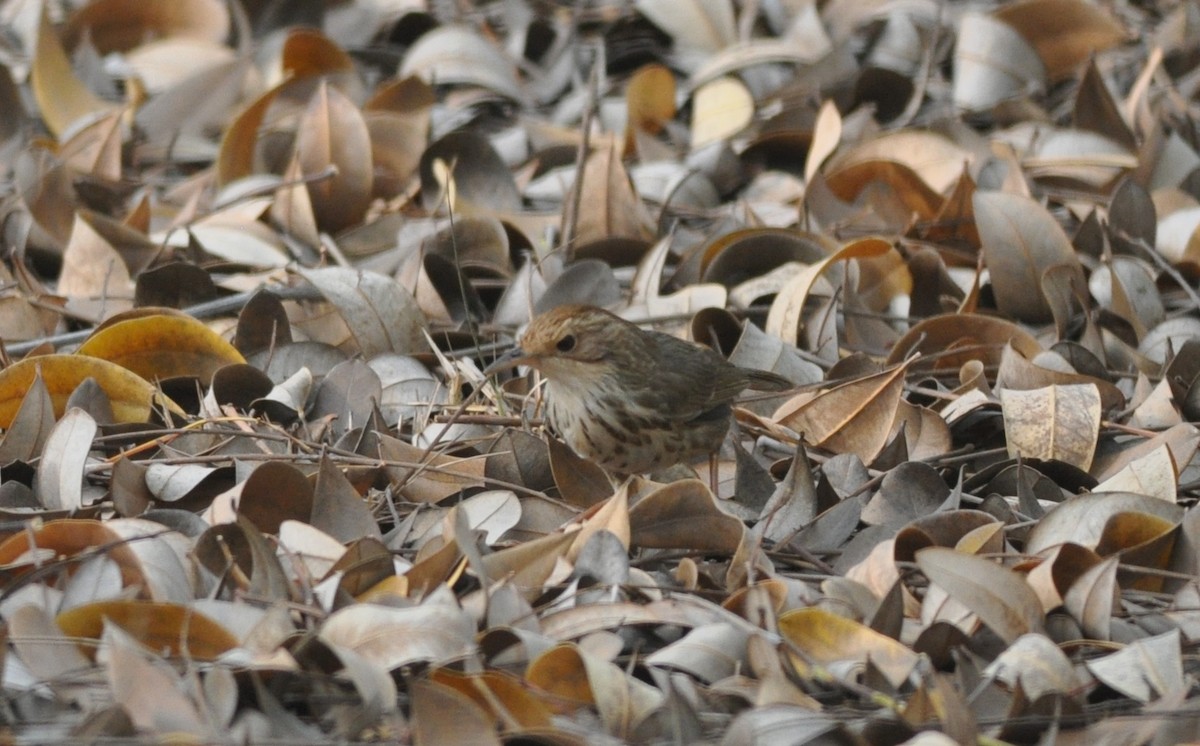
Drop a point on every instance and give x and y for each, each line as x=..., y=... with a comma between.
x=566, y=344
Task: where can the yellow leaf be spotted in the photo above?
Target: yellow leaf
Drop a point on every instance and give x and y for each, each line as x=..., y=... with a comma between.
x=173, y=627
x=130, y=394
x=162, y=346
x=61, y=97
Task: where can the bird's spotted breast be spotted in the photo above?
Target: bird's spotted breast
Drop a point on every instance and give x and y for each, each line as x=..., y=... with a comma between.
x=626, y=438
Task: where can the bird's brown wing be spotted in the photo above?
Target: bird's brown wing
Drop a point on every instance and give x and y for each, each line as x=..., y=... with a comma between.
x=696, y=381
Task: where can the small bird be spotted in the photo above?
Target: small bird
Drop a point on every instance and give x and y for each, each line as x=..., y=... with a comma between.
x=632, y=400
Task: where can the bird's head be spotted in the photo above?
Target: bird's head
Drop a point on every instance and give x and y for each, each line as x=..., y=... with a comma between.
x=571, y=343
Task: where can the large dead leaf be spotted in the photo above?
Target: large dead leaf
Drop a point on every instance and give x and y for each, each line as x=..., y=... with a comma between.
x=131, y=395
x=162, y=346
x=332, y=135
x=608, y=204
x=397, y=637
x=64, y=100
x=824, y=638
x=1020, y=243
x=379, y=315
x=1065, y=33
x=1001, y=598
x=1056, y=422
x=855, y=417
x=683, y=515
x=161, y=627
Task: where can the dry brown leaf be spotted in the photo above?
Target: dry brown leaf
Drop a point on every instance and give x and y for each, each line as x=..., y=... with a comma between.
x=650, y=101
x=503, y=695
x=421, y=477
x=445, y=715
x=1081, y=519
x=146, y=688
x=684, y=515
x=609, y=206
x=379, y=315
x=332, y=135
x=63, y=99
x=173, y=628
x=855, y=417
x=1065, y=33
x=1017, y=372
x=116, y=25
x=825, y=638
x=1001, y=598
x=1055, y=422
x=1059, y=569
x=528, y=565
x=612, y=516
x=1020, y=243
x=1093, y=598
x=575, y=676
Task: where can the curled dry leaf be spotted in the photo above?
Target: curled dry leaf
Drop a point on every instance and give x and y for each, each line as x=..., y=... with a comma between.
x=1037, y=664
x=720, y=108
x=684, y=515
x=1154, y=662
x=855, y=417
x=456, y=55
x=333, y=135
x=176, y=629
x=1065, y=33
x=149, y=690
x=993, y=63
x=1093, y=598
x=398, y=637
x=823, y=638
x=1056, y=422
x=62, y=97
x=380, y=315
x=1020, y=243
x=61, y=473
x=579, y=678
x=444, y=715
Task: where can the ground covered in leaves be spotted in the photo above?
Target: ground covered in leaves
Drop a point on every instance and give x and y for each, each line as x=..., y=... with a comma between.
x=254, y=486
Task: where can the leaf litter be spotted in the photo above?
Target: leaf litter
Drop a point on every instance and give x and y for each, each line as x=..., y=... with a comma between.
x=255, y=488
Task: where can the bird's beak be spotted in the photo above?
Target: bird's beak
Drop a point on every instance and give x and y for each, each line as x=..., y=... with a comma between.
x=511, y=359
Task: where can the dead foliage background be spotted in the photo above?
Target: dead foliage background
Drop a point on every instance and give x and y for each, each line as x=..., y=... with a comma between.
x=255, y=488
